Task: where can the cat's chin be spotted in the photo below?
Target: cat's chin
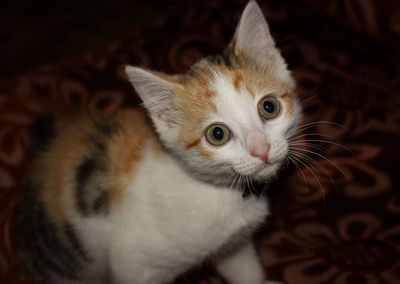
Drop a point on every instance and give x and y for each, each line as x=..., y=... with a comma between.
x=267, y=172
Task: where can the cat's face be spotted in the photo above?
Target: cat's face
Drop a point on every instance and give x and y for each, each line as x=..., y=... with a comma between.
x=234, y=121
x=229, y=116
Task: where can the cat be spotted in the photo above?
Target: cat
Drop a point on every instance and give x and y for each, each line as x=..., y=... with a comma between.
x=137, y=198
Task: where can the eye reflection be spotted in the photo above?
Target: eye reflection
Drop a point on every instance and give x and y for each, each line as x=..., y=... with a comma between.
x=269, y=107
x=217, y=134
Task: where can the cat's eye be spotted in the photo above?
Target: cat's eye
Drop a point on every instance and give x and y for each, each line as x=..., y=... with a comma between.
x=269, y=107
x=217, y=134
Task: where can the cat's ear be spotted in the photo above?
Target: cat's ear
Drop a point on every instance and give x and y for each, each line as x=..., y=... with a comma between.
x=253, y=39
x=157, y=93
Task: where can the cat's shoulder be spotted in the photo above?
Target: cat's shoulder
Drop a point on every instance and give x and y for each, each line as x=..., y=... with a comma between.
x=91, y=149
x=82, y=123
x=91, y=130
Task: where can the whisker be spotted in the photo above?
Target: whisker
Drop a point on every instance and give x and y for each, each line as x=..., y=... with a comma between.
x=311, y=124
x=327, y=142
x=313, y=173
x=307, y=145
x=247, y=180
x=309, y=98
x=252, y=185
x=298, y=129
x=316, y=164
x=298, y=169
x=323, y=157
x=235, y=175
x=240, y=181
x=336, y=142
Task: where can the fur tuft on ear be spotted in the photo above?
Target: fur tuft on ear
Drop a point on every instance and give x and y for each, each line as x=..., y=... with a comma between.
x=156, y=92
x=253, y=38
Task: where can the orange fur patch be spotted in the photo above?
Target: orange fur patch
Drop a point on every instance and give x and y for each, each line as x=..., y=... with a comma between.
x=209, y=94
x=56, y=170
x=205, y=152
x=288, y=99
x=237, y=81
x=193, y=144
x=195, y=101
x=126, y=150
x=250, y=89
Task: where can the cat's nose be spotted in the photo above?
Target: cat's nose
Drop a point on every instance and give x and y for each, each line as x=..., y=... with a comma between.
x=261, y=153
x=258, y=146
x=263, y=156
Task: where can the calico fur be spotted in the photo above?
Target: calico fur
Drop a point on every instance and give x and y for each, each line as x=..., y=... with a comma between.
x=138, y=198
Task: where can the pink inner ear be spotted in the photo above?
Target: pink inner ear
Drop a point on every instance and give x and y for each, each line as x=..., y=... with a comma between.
x=162, y=115
x=253, y=35
x=264, y=44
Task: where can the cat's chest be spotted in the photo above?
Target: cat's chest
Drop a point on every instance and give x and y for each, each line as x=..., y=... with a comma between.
x=166, y=201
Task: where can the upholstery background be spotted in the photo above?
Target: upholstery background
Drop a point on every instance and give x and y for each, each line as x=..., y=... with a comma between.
x=333, y=222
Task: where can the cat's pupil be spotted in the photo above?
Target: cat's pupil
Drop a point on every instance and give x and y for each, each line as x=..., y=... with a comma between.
x=218, y=133
x=269, y=107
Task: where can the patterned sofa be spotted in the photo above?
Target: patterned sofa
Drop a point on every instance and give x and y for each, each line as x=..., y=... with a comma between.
x=336, y=215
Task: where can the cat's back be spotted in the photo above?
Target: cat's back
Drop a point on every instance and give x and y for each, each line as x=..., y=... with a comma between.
x=90, y=160
x=80, y=170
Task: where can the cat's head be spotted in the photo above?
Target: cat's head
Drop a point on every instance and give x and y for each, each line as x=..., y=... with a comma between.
x=231, y=113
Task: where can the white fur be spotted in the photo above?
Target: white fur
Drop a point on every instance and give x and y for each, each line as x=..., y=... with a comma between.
x=167, y=225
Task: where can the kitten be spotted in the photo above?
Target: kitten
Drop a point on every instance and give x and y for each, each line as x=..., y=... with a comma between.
x=110, y=200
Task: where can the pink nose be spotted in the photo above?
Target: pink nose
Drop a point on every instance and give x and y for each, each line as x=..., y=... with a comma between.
x=258, y=146
x=263, y=156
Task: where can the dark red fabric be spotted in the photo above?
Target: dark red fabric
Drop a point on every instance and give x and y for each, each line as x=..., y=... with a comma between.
x=336, y=222
x=379, y=19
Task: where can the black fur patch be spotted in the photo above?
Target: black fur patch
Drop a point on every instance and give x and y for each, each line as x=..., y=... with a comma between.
x=255, y=188
x=107, y=126
x=41, y=132
x=91, y=195
x=83, y=174
x=220, y=59
x=74, y=242
x=42, y=242
x=55, y=255
x=102, y=202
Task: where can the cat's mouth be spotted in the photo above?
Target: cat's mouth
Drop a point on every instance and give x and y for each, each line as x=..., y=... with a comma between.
x=267, y=171
x=259, y=172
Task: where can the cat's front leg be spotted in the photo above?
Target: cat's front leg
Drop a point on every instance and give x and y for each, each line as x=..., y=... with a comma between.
x=242, y=266
x=136, y=263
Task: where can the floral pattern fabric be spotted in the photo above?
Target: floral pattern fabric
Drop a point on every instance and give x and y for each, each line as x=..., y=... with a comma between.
x=379, y=19
x=335, y=213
